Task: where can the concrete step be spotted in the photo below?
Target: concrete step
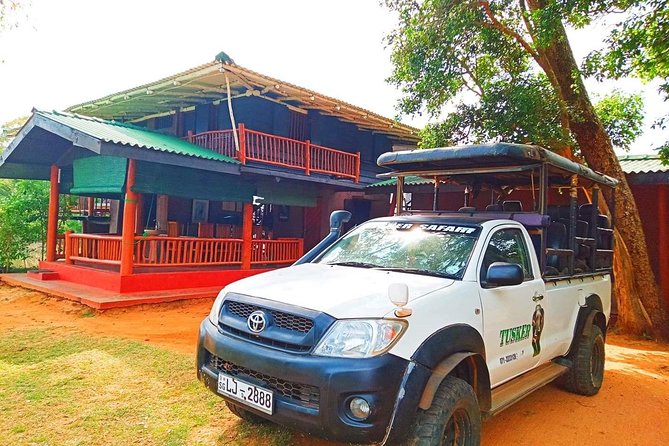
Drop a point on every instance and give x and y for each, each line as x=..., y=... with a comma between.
x=42, y=274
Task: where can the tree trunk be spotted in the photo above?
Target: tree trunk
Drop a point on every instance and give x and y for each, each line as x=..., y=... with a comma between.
x=596, y=147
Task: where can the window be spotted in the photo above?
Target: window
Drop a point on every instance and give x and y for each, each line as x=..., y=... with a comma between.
x=507, y=245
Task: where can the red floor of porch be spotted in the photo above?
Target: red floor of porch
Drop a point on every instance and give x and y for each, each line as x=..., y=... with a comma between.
x=103, y=299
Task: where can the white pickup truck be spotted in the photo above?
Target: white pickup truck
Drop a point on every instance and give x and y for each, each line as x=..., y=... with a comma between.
x=410, y=329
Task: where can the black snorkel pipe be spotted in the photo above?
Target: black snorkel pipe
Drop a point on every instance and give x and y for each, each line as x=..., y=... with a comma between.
x=337, y=220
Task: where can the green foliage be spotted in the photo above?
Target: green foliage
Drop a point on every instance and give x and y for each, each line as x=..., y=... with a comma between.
x=638, y=45
x=484, y=64
x=622, y=116
x=23, y=210
x=522, y=111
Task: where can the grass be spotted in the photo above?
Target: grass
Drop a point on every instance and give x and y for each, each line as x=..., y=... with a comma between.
x=82, y=390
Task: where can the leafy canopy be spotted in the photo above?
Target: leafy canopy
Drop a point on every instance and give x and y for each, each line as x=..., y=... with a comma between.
x=485, y=60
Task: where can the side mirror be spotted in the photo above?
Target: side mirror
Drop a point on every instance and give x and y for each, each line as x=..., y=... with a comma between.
x=398, y=293
x=504, y=274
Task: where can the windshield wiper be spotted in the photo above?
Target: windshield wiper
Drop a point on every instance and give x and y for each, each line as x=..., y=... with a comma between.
x=354, y=264
x=425, y=272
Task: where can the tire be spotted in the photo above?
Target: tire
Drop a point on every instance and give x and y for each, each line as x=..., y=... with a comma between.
x=586, y=374
x=453, y=419
x=245, y=415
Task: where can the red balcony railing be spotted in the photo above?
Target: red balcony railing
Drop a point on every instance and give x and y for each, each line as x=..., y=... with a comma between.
x=103, y=249
x=158, y=251
x=280, y=151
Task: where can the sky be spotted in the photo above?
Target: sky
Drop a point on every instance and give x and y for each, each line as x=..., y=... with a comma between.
x=70, y=51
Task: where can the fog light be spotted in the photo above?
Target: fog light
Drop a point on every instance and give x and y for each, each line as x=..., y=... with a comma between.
x=359, y=408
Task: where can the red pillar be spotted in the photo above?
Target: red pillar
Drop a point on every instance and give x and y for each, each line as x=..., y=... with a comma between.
x=663, y=239
x=129, y=219
x=247, y=235
x=52, y=223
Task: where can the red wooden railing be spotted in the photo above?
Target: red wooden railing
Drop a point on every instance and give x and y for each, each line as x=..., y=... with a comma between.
x=179, y=251
x=187, y=251
x=276, y=251
x=280, y=151
x=94, y=248
x=220, y=141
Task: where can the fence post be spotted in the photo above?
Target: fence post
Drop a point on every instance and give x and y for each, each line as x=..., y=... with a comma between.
x=300, y=248
x=190, y=136
x=357, y=167
x=68, y=247
x=307, y=158
x=242, y=143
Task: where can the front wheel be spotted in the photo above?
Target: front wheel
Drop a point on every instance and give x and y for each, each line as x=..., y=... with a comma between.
x=453, y=419
x=586, y=374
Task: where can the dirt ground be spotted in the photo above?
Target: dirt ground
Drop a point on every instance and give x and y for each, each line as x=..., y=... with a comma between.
x=631, y=409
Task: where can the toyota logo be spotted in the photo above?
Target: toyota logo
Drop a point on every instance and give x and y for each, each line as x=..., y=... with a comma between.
x=256, y=321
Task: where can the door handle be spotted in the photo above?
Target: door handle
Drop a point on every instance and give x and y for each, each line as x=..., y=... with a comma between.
x=537, y=297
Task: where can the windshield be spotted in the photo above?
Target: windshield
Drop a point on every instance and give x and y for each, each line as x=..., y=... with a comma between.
x=434, y=249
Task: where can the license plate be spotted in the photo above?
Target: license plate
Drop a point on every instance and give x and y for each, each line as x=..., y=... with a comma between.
x=246, y=393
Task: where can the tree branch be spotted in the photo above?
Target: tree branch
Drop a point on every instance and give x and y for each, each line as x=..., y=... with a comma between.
x=508, y=31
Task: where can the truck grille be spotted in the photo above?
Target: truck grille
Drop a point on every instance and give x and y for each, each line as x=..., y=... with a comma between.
x=283, y=320
x=305, y=395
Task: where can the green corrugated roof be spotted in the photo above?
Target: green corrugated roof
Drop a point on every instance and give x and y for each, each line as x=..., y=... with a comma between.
x=131, y=135
x=408, y=181
x=642, y=164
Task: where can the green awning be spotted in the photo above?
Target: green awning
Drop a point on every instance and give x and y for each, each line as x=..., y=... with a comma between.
x=287, y=194
x=191, y=183
x=99, y=175
x=131, y=135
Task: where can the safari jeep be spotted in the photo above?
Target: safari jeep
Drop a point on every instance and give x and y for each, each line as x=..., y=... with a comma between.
x=411, y=329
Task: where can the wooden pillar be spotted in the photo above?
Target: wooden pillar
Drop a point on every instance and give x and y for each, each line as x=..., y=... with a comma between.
x=247, y=235
x=129, y=218
x=52, y=222
x=140, y=219
x=90, y=204
x=115, y=213
x=162, y=203
x=663, y=239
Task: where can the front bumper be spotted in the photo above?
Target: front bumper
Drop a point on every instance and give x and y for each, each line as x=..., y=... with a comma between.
x=377, y=379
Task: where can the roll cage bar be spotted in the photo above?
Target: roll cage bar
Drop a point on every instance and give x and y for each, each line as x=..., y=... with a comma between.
x=586, y=248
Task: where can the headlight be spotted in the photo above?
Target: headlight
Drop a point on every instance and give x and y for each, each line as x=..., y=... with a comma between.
x=216, y=308
x=360, y=338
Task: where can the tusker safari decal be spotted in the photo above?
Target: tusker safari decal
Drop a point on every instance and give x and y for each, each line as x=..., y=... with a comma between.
x=522, y=332
x=537, y=328
x=513, y=335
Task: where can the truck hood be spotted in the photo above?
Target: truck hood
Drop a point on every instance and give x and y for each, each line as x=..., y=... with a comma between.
x=340, y=291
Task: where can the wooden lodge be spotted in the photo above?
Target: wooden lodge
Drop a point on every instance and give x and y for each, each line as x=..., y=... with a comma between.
x=201, y=178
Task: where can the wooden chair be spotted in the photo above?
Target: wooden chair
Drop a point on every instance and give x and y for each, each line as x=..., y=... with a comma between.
x=173, y=229
x=223, y=231
x=205, y=230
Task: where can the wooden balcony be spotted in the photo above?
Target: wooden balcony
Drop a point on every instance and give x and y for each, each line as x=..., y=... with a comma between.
x=161, y=251
x=280, y=151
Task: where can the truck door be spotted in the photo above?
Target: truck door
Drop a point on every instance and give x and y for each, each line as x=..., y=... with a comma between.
x=513, y=316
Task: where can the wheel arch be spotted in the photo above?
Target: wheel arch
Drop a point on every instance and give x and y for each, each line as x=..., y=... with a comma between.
x=591, y=313
x=456, y=350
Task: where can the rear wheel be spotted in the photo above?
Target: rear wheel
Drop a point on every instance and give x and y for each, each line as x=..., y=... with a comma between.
x=453, y=419
x=244, y=414
x=586, y=374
